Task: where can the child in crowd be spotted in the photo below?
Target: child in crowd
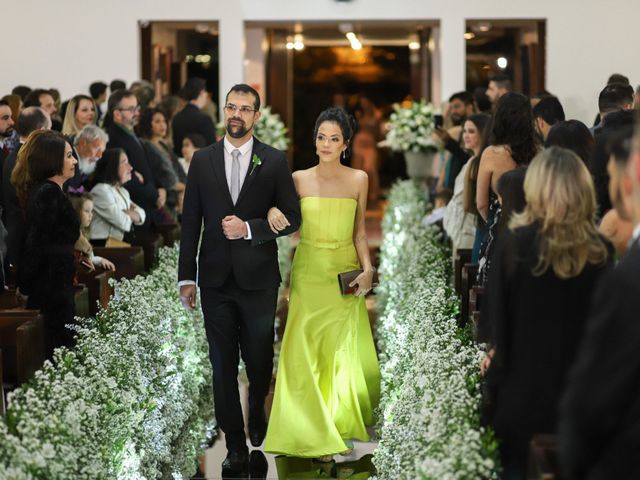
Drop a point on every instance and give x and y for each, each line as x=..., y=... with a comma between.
x=83, y=204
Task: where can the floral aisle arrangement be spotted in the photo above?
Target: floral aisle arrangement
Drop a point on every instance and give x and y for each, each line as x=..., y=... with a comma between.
x=132, y=400
x=429, y=420
x=410, y=128
x=269, y=129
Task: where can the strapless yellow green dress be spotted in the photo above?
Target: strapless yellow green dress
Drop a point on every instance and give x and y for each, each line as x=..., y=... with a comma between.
x=328, y=380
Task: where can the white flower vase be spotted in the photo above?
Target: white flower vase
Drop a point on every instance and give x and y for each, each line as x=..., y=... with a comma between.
x=420, y=165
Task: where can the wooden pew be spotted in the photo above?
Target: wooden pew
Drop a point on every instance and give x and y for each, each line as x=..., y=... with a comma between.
x=97, y=283
x=129, y=261
x=462, y=257
x=468, y=280
x=543, y=458
x=170, y=234
x=151, y=244
x=22, y=344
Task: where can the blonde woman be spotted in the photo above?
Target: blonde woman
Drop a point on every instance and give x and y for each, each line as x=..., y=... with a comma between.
x=544, y=271
x=81, y=111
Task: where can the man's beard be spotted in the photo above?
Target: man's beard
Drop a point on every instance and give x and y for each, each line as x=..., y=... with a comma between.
x=237, y=131
x=87, y=166
x=7, y=133
x=457, y=121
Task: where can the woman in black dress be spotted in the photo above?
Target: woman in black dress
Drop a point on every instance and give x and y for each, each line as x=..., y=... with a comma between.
x=544, y=270
x=53, y=226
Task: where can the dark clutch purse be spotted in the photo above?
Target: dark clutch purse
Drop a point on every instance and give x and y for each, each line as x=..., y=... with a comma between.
x=345, y=278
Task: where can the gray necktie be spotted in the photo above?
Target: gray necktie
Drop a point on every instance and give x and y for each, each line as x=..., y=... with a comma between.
x=235, y=175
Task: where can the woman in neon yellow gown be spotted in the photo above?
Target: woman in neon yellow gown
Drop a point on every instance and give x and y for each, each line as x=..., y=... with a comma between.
x=328, y=380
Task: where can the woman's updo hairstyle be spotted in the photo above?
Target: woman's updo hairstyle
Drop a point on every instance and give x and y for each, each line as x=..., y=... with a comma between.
x=340, y=117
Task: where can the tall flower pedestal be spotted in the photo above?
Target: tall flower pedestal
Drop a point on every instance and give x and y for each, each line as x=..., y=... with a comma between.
x=420, y=165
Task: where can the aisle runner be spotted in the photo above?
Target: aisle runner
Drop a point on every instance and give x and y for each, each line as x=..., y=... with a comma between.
x=429, y=410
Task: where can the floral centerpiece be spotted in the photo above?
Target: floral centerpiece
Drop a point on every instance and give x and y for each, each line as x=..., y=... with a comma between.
x=410, y=128
x=409, y=131
x=269, y=129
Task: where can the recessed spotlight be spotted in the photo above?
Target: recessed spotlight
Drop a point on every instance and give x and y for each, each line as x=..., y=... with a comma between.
x=502, y=62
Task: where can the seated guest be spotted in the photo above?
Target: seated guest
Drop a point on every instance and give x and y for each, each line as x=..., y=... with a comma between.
x=46, y=273
x=88, y=145
x=544, y=269
x=547, y=112
x=191, y=119
x=600, y=410
x=616, y=225
x=115, y=213
x=81, y=111
x=83, y=205
x=572, y=135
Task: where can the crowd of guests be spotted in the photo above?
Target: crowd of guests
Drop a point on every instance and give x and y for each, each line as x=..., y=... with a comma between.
x=548, y=207
x=76, y=175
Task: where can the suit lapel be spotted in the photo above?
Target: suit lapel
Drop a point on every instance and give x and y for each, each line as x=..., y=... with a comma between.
x=258, y=147
x=217, y=162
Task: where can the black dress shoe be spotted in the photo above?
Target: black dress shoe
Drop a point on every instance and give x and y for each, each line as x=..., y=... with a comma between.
x=236, y=461
x=258, y=466
x=257, y=428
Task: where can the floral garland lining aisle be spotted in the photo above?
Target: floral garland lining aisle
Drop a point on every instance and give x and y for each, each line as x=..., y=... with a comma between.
x=429, y=421
x=132, y=400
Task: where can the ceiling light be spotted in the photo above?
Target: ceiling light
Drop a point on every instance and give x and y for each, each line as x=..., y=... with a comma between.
x=484, y=27
x=356, y=44
x=298, y=45
x=414, y=46
x=502, y=62
x=290, y=46
x=351, y=36
x=469, y=36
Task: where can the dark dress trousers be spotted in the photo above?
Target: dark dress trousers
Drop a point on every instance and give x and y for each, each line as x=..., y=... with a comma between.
x=47, y=268
x=536, y=324
x=599, y=432
x=238, y=279
x=191, y=120
x=144, y=194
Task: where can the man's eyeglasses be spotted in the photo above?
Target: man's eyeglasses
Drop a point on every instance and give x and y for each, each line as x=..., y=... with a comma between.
x=130, y=109
x=231, y=108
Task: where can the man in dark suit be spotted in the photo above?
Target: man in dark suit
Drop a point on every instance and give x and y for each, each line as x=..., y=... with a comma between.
x=191, y=119
x=599, y=431
x=231, y=185
x=121, y=118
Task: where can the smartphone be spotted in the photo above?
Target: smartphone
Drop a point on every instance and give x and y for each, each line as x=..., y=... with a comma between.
x=438, y=120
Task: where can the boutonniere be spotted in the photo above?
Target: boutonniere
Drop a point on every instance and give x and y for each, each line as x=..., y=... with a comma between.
x=256, y=161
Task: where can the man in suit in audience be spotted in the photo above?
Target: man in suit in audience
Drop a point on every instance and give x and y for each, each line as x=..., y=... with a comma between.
x=6, y=129
x=43, y=98
x=599, y=431
x=121, y=117
x=231, y=186
x=191, y=119
x=30, y=120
